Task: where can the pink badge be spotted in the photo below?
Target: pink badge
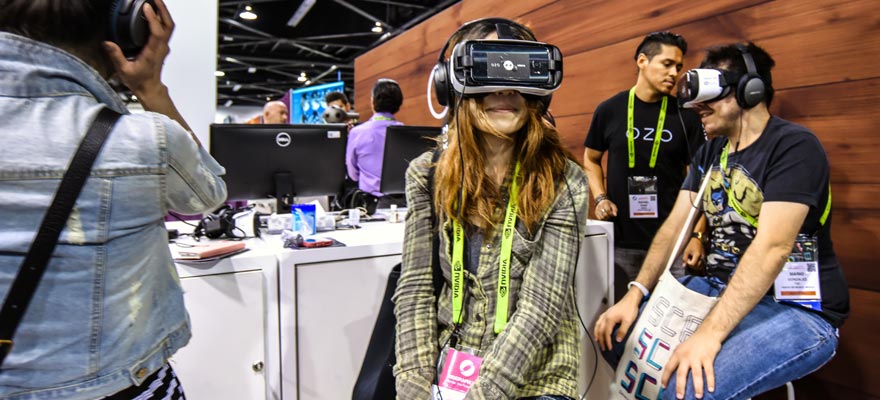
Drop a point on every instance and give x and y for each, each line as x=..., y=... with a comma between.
x=460, y=371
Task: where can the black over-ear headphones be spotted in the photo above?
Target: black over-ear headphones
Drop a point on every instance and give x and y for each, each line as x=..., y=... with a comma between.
x=440, y=73
x=750, y=89
x=217, y=224
x=128, y=27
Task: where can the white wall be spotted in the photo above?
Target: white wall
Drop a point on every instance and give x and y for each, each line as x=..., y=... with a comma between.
x=189, y=68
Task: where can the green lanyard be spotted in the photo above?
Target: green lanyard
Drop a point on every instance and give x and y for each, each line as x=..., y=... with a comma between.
x=738, y=207
x=382, y=118
x=630, y=131
x=503, y=293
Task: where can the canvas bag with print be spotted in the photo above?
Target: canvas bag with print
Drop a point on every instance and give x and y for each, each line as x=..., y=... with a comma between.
x=673, y=313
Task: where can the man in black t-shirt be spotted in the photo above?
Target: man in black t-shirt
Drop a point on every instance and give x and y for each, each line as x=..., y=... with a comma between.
x=781, y=291
x=641, y=188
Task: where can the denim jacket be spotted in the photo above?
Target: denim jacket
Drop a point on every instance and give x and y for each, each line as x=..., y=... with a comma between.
x=109, y=310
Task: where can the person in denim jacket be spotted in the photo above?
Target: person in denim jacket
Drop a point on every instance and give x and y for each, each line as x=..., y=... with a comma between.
x=108, y=312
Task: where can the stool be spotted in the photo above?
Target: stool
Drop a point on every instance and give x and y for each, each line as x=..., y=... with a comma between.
x=789, y=390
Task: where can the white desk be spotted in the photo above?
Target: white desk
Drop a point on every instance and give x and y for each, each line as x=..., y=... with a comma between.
x=233, y=307
x=317, y=308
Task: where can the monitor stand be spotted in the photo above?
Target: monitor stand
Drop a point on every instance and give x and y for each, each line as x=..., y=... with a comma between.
x=283, y=191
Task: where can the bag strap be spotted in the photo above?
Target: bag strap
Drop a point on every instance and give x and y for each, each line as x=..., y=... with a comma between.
x=435, y=240
x=25, y=283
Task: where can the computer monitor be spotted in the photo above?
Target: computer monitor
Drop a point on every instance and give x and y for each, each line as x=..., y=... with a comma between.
x=403, y=143
x=280, y=161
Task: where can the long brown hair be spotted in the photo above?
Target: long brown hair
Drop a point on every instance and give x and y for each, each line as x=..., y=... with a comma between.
x=461, y=177
x=536, y=146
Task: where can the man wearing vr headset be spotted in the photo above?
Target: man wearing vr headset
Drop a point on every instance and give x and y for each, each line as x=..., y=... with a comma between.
x=771, y=261
x=506, y=311
x=645, y=167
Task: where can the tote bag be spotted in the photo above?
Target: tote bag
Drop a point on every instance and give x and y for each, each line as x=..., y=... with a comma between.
x=672, y=315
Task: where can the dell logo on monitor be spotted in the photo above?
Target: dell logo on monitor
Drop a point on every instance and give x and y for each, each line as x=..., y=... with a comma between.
x=282, y=139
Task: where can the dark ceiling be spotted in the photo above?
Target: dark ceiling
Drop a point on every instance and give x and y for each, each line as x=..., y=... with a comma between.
x=265, y=57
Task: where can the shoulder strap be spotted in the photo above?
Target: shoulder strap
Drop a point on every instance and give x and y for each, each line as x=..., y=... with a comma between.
x=435, y=240
x=25, y=284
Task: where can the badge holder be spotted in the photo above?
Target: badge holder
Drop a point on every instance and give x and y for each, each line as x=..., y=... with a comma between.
x=457, y=370
x=798, y=282
x=642, y=194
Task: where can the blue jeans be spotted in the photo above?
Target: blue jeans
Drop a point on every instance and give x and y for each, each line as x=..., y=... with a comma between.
x=774, y=343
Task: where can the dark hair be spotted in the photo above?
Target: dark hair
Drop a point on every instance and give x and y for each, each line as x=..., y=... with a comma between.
x=481, y=28
x=70, y=23
x=729, y=57
x=651, y=44
x=387, y=96
x=333, y=96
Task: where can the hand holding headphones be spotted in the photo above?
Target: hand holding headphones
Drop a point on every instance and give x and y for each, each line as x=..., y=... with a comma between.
x=139, y=30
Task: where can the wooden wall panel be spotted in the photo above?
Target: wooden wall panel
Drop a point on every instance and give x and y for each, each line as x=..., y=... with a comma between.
x=855, y=364
x=827, y=52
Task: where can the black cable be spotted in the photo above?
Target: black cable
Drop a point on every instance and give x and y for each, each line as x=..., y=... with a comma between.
x=577, y=226
x=181, y=219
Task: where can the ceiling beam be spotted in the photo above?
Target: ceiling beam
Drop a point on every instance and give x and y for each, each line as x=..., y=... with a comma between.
x=396, y=3
x=239, y=25
x=362, y=13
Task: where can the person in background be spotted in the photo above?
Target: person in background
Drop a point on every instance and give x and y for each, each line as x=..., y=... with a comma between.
x=761, y=169
x=641, y=186
x=108, y=311
x=526, y=332
x=337, y=99
x=275, y=112
x=366, y=145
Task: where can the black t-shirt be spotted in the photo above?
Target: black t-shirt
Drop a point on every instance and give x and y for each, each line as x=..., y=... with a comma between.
x=786, y=163
x=608, y=133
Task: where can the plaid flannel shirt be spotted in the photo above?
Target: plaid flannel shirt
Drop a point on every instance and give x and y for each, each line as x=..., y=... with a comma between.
x=537, y=352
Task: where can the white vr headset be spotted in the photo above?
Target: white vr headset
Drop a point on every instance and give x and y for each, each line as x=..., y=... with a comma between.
x=703, y=85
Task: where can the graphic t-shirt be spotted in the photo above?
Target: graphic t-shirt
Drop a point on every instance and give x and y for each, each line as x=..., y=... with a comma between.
x=682, y=135
x=786, y=163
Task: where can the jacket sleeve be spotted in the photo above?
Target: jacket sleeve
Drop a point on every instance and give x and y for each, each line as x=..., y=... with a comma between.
x=414, y=300
x=193, y=183
x=546, y=288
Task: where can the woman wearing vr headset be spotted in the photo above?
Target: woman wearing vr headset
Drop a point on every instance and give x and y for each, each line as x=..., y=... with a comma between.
x=508, y=243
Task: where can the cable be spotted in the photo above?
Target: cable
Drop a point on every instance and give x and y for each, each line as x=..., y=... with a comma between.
x=577, y=259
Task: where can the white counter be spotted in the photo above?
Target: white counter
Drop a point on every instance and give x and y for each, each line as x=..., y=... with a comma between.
x=289, y=324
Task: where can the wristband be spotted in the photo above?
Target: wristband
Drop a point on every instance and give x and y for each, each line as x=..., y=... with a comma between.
x=641, y=287
x=600, y=198
x=697, y=235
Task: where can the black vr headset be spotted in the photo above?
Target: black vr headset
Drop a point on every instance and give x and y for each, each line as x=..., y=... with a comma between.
x=486, y=66
x=705, y=85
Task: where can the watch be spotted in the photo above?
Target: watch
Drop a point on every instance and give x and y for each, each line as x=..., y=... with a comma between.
x=698, y=235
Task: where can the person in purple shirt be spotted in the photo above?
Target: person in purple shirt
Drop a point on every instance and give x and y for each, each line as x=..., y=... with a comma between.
x=366, y=142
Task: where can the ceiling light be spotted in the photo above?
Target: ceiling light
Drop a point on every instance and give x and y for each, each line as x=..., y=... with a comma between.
x=297, y=16
x=268, y=98
x=377, y=28
x=227, y=103
x=308, y=83
x=248, y=14
x=219, y=73
x=228, y=38
x=230, y=59
x=236, y=88
x=252, y=70
x=302, y=77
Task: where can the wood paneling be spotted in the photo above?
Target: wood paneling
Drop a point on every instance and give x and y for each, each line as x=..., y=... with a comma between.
x=826, y=77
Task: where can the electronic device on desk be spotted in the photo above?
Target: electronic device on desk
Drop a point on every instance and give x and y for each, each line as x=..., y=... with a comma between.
x=403, y=143
x=280, y=161
x=229, y=221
